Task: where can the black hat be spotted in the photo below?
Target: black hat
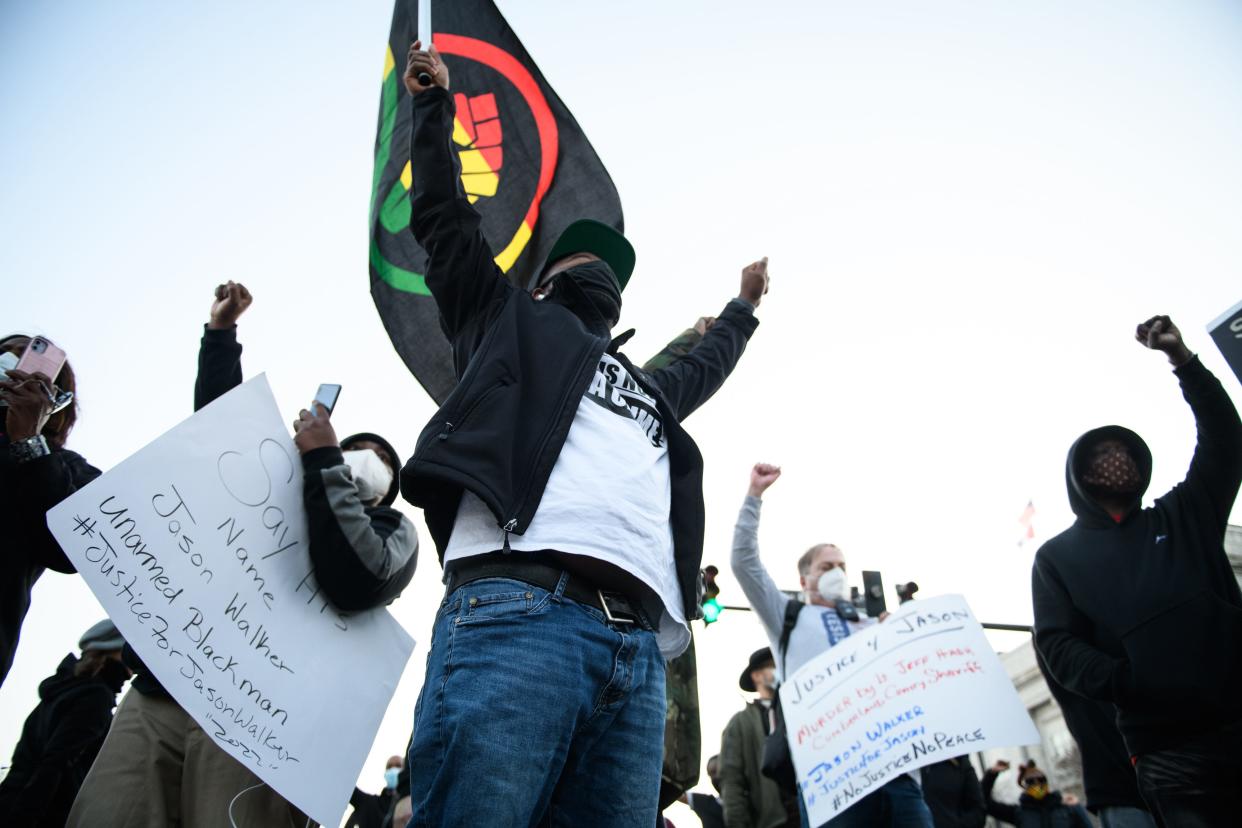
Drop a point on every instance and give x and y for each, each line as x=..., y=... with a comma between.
x=758, y=660
x=598, y=239
x=395, y=487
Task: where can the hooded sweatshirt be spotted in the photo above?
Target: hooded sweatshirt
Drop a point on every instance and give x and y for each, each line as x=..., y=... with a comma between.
x=1145, y=612
x=58, y=744
x=1107, y=775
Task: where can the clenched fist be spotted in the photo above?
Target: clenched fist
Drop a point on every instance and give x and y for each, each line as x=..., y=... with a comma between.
x=428, y=63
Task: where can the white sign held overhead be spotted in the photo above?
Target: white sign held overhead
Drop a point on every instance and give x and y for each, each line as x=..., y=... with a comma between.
x=921, y=687
x=196, y=546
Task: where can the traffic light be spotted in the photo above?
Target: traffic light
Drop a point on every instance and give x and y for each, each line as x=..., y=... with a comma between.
x=711, y=605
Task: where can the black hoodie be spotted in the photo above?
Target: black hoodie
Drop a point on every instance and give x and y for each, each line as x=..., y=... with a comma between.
x=58, y=744
x=1145, y=613
x=1107, y=775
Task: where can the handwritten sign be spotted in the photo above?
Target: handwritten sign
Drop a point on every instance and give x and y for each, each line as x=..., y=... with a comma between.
x=921, y=687
x=1226, y=332
x=196, y=546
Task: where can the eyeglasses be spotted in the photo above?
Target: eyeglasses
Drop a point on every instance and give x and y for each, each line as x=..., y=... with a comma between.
x=58, y=397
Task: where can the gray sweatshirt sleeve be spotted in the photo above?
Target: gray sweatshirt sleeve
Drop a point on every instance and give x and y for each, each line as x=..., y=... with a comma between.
x=765, y=597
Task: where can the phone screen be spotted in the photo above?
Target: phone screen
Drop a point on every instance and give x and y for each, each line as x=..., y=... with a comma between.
x=326, y=396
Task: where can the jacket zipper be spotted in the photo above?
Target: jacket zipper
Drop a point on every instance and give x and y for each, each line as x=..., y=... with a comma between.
x=449, y=428
x=511, y=525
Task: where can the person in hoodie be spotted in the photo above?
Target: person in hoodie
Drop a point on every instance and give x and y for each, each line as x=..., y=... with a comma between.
x=1107, y=775
x=158, y=767
x=36, y=472
x=1038, y=807
x=1138, y=606
x=63, y=733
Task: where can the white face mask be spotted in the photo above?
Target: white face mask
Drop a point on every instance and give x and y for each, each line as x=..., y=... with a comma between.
x=371, y=475
x=832, y=585
x=8, y=361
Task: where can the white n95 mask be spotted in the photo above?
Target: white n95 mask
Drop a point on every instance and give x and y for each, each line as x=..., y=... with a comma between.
x=372, y=477
x=832, y=585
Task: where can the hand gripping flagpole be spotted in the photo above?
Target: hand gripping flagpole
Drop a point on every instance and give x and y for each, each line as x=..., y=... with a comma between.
x=424, y=25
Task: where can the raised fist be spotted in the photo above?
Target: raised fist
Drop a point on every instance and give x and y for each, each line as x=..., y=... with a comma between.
x=762, y=476
x=1160, y=334
x=231, y=301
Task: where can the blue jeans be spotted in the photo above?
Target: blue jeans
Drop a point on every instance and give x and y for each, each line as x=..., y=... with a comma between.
x=1120, y=816
x=536, y=711
x=899, y=804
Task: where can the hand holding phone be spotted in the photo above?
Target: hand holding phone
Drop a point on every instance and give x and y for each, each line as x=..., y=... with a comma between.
x=313, y=428
x=326, y=396
x=42, y=357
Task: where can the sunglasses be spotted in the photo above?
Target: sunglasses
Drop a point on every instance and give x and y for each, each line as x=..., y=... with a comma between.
x=1031, y=781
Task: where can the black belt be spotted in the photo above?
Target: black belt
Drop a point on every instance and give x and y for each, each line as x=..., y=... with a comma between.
x=531, y=568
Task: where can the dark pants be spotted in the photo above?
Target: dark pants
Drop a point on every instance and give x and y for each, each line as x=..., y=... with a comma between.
x=1197, y=784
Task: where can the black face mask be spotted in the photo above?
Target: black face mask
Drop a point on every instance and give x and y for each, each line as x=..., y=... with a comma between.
x=589, y=290
x=114, y=674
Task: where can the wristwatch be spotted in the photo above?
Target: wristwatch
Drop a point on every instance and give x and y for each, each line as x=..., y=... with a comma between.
x=23, y=451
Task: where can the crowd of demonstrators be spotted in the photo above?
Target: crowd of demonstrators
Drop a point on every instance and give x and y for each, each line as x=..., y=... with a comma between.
x=799, y=631
x=555, y=446
x=37, y=413
x=565, y=500
x=1038, y=806
x=63, y=733
x=1139, y=608
x=751, y=799
x=1108, y=776
x=157, y=766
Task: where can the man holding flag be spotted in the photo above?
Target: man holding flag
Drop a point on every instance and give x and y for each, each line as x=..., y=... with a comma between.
x=566, y=503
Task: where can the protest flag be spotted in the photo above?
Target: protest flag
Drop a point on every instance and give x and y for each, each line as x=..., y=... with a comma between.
x=526, y=167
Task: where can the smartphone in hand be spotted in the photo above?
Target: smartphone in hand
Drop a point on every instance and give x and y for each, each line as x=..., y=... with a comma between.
x=326, y=396
x=42, y=357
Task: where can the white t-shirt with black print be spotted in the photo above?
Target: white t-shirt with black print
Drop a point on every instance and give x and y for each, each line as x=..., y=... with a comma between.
x=608, y=497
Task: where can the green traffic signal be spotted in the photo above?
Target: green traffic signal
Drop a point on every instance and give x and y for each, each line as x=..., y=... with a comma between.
x=711, y=610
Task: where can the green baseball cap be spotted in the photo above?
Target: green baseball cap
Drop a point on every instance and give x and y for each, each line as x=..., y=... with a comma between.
x=596, y=238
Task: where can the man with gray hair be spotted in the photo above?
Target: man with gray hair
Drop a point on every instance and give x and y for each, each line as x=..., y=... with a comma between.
x=827, y=618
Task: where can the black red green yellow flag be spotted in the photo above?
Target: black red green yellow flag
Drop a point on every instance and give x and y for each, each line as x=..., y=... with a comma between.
x=526, y=166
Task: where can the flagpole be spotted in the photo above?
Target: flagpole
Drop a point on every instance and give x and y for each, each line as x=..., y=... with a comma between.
x=424, y=26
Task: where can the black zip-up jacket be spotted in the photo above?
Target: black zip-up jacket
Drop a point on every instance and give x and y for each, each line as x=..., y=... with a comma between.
x=27, y=491
x=952, y=793
x=1107, y=775
x=1145, y=613
x=523, y=366
x=59, y=742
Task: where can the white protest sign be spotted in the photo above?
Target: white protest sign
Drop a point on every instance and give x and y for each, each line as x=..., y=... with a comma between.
x=196, y=546
x=920, y=687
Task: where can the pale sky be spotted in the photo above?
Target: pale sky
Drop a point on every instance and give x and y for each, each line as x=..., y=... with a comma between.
x=967, y=206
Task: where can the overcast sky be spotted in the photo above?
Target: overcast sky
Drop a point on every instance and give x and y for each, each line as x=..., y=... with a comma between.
x=967, y=206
